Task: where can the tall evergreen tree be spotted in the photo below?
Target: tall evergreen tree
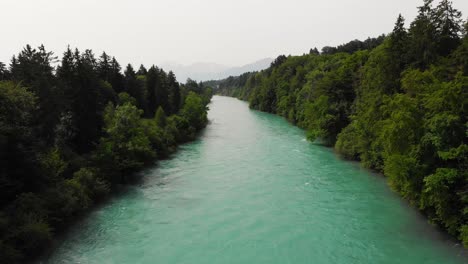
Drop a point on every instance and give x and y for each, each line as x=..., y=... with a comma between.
x=449, y=27
x=397, y=49
x=3, y=71
x=162, y=92
x=399, y=37
x=422, y=47
x=116, y=78
x=152, y=80
x=66, y=70
x=67, y=78
x=134, y=87
x=58, y=156
x=33, y=68
x=104, y=67
x=86, y=105
x=174, y=93
x=314, y=51
x=142, y=70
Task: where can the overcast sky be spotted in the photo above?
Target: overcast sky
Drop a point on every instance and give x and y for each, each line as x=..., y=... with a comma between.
x=230, y=32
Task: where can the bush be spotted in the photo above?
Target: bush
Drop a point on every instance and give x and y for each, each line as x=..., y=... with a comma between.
x=194, y=110
x=33, y=237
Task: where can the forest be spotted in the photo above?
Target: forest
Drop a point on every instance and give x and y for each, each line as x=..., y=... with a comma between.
x=73, y=130
x=397, y=103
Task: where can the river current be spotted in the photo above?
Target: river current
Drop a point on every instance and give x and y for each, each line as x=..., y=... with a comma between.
x=251, y=189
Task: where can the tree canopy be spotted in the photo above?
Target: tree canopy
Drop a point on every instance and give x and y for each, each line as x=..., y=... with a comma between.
x=397, y=103
x=70, y=134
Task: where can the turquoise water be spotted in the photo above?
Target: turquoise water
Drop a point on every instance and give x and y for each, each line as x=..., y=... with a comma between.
x=253, y=190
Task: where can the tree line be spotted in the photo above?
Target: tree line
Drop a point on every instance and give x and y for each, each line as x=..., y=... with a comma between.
x=69, y=134
x=400, y=107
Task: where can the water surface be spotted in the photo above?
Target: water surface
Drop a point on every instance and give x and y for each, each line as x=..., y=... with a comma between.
x=253, y=190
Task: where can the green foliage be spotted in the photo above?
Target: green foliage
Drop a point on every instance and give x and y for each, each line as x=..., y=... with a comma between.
x=320, y=117
x=400, y=107
x=125, y=147
x=69, y=135
x=17, y=105
x=194, y=110
x=438, y=195
x=52, y=164
x=125, y=98
x=160, y=117
x=464, y=235
x=34, y=237
x=346, y=143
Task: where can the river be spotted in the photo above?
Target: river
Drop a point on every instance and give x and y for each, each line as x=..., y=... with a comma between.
x=251, y=189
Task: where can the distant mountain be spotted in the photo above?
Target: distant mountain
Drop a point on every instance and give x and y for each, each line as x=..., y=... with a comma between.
x=255, y=66
x=213, y=71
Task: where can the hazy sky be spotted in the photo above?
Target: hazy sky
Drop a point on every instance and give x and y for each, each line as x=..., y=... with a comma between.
x=231, y=32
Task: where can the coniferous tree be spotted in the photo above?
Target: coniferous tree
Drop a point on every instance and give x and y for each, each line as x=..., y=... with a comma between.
x=460, y=56
x=66, y=73
x=3, y=71
x=142, y=70
x=66, y=70
x=58, y=155
x=104, y=67
x=86, y=103
x=192, y=85
x=397, y=49
x=162, y=92
x=67, y=78
x=13, y=66
x=422, y=47
x=314, y=51
x=449, y=27
x=134, y=87
x=152, y=80
x=116, y=78
x=398, y=39
x=174, y=90
x=33, y=68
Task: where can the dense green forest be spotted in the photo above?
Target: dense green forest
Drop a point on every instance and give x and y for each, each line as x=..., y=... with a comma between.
x=70, y=134
x=396, y=103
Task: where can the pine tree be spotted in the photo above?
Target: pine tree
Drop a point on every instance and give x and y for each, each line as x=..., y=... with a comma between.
x=449, y=27
x=162, y=92
x=397, y=48
x=422, y=47
x=174, y=93
x=86, y=102
x=33, y=68
x=65, y=71
x=116, y=79
x=152, y=80
x=142, y=70
x=104, y=67
x=134, y=87
x=3, y=71
x=314, y=51
x=399, y=35
x=67, y=78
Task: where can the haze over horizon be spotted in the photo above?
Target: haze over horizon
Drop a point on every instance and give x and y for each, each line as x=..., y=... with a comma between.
x=231, y=33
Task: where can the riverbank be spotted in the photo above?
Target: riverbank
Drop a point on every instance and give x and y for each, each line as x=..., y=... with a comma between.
x=251, y=189
x=397, y=117
x=71, y=134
